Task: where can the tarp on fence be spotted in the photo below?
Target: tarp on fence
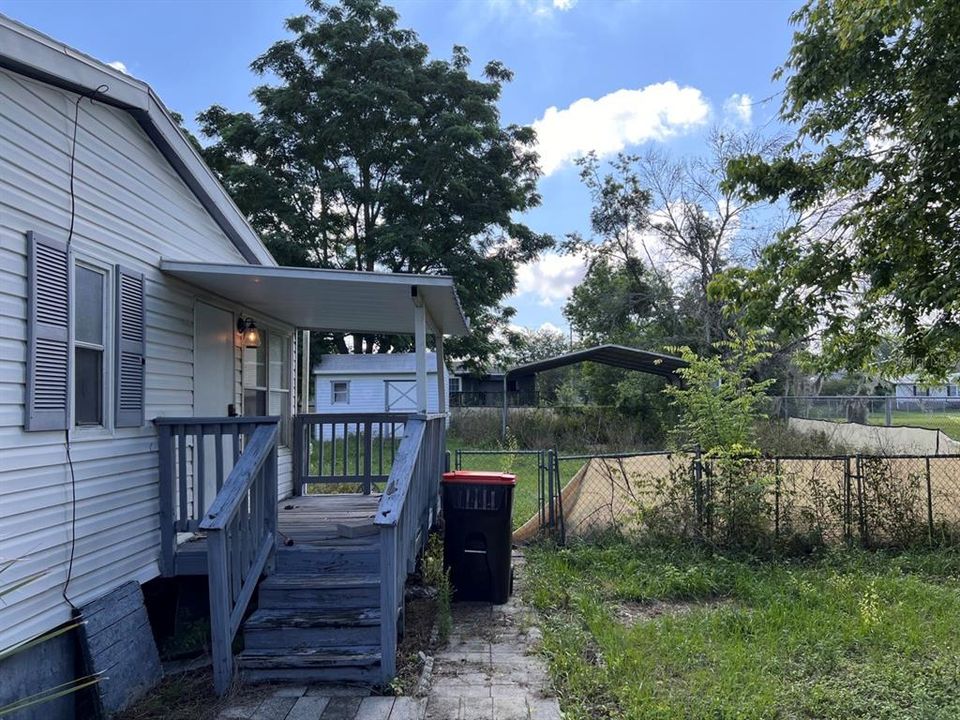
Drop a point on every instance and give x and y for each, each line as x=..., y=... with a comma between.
x=876, y=500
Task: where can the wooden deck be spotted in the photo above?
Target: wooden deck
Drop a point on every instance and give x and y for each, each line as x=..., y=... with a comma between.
x=306, y=521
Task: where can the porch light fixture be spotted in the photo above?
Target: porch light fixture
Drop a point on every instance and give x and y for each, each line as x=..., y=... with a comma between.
x=248, y=328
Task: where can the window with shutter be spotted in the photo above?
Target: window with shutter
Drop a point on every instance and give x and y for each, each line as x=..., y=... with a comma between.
x=130, y=349
x=48, y=334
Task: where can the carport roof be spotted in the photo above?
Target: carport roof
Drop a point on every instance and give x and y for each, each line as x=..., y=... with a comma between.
x=615, y=355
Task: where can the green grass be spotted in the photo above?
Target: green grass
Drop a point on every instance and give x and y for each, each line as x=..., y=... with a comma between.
x=849, y=635
x=949, y=423
x=525, y=502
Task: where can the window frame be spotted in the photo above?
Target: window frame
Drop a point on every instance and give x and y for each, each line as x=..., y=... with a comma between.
x=333, y=392
x=104, y=348
x=270, y=336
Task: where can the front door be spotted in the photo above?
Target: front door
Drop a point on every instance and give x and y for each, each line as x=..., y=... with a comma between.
x=213, y=383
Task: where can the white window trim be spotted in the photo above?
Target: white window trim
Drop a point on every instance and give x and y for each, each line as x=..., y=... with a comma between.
x=333, y=391
x=286, y=338
x=106, y=423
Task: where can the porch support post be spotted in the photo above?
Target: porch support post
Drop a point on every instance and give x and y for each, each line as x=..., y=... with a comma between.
x=305, y=373
x=441, y=375
x=420, y=347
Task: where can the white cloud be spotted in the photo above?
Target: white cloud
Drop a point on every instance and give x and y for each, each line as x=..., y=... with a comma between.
x=546, y=326
x=551, y=278
x=611, y=123
x=537, y=8
x=117, y=65
x=550, y=327
x=738, y=107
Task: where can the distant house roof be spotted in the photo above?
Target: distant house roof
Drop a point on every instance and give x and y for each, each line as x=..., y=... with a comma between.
x=917, y=380
x=459, y=368
x=376, y=364
x=615, y=355
x=28, y=52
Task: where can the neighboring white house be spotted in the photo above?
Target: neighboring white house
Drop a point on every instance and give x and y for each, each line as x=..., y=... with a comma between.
x=127, y=279
x=377, y=383
x=912, y=393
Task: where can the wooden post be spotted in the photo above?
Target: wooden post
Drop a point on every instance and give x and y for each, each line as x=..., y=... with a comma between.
x=388, y=603
x=441, y=375
x=420, y=346
x=168, y=534
x=305, y=376
x=221, y=637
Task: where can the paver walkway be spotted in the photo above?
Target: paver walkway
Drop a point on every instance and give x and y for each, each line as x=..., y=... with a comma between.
x=326, y=703
x=487, y=671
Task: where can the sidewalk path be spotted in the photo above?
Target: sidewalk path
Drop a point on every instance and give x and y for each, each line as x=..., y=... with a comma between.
x=488, y=670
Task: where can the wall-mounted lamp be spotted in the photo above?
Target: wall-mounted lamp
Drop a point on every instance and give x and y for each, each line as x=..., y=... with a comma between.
x=248, y=328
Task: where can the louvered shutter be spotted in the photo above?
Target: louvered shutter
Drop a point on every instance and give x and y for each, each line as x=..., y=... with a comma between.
x=130, y=350
x=48, y=333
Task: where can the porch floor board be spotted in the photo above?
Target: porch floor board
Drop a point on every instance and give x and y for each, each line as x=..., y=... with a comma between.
x=339, y=520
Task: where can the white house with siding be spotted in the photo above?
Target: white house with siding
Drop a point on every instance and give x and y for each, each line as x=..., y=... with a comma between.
x=376, y=383
x=912, y=393
x=134, y=293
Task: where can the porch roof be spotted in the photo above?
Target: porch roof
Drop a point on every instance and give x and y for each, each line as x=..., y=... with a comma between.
x=331, y=300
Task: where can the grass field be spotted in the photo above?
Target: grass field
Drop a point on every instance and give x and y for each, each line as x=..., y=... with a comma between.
x=640, y=633
x=949, y=423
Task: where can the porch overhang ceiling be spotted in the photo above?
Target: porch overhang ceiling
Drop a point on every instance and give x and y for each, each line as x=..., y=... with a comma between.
x=331, y=300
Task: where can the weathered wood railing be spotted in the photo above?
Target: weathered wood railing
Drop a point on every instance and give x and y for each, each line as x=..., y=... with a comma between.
x=407, y=509
x=196, y=454
x=241, y=528
x=331, y=448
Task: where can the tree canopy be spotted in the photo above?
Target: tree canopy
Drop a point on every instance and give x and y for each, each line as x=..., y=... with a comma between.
x=367, y=154
x=873, y=89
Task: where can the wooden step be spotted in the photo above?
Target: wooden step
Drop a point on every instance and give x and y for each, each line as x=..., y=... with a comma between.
x=340, y=559
x=290, y=629
x=301, y=591
x=314, y=618
x=310, y=665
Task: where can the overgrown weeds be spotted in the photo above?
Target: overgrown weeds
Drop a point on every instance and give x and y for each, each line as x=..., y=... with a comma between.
x=438, y=577
x=842, y=633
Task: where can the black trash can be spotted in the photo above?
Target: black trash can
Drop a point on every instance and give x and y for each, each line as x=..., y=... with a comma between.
x=477, y=511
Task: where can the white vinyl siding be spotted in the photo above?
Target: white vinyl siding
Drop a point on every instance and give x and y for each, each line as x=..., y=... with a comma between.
x=367, y=393
x=131, y=209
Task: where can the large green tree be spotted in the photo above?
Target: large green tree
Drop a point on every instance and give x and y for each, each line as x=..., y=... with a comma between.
x=873, y=89
x=368, y=154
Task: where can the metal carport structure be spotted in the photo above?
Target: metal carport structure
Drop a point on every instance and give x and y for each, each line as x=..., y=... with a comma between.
x=652, y=363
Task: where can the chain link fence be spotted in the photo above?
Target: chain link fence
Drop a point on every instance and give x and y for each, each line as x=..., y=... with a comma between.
x=800, y=502
x=890, y=410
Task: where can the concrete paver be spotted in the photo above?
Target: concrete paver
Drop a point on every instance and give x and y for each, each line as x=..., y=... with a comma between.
x=488, y=670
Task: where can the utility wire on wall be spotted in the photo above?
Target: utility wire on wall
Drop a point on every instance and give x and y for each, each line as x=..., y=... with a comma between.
x=73, y=220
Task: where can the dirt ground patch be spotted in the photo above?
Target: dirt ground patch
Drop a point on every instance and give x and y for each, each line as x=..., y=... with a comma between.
x=189, y=696
x=631, y=613
x=420, y=616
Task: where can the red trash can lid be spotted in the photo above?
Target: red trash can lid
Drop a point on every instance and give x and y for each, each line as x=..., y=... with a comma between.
x=479, y=477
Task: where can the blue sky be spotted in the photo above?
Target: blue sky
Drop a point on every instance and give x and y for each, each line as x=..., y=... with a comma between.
x=617, y=75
